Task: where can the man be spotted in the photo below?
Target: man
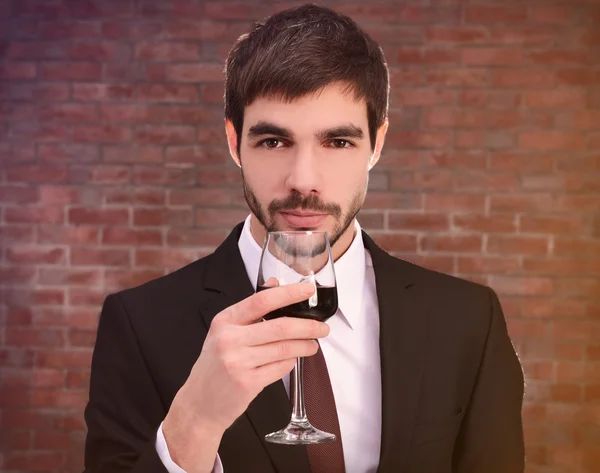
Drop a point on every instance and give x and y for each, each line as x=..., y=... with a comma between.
x=186, y=376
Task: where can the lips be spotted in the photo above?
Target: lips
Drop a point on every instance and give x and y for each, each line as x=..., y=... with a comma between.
x=299, y=219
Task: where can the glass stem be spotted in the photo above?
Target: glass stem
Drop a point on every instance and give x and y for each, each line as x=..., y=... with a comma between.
x=299, y=412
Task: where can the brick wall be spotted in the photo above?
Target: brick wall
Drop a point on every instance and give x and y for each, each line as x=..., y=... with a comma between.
x=115, y=171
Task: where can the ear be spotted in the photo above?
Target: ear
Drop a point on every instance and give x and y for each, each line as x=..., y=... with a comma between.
x=379, y=140
x=232, y=141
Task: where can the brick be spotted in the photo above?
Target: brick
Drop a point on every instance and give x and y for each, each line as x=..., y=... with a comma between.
x=167, y=51
x=195, y=73
x=442, y=263
x=373, y=12
x=69, y=276
x=495, y=14
x=203, y=30
x=13, y=440
x=418, y=222
x=102, y=174
x=103, y=92
x=39, y=91
x=419, y=139
x=577, y=77
x=67, y=153
x=53, y=398
x=196, y=155
x=555, y=266
x=16, y=112
x=90, y=256
x=578, y=287
x=517, y=245
x=160, y=175
x=487, y=265
x=502, y=99
x=219, y=218
x=101, y=134
x=105, y=51
x=85, y=296
x=395, y=242
x=54, y=440
x=165, y=134
x=556, y=15
x=120, y=279
x=579, y=120
x=35, y=461
x=454, y=118
x=538, y=162
x=486, y=181
x=191, y=114
x=211, y=94
x=50, y=194
x=454, y=202
x=371, y=220
x=18, y=152
x=167, y=258
x=98, y=216
x=395, y=200
x=555, y=308
x=167, y=93
x=211, y=135
x=436, y=179
x=451, y=243
x=83, y=71
x=491, y=57
x=138, y=196
x=484, y=223
x=533, y=202
x=35, y=214
x=522, y=286
x=34, y=337
x=194, y=238
x=421, y=55
x=163, y=216
x=395, y=34
x=455, y=160
x=78, y=378
x=130, y=113
x=578, y=203
x=36, y=173
x=452, y=35
x=558, y=58
x=27, y=254
x=18, y=70
x=555, y=99
x=66, y=29
x=420, y=96
x=17, y=233
x=18, y=194
x=17, y=275
x=571, y=246
x=552, y=225
x=128, y=154
x=131, y=237
x=523, y=78
x=127, y=30
x=224, y=177
x=68, y=235
x=37, y=50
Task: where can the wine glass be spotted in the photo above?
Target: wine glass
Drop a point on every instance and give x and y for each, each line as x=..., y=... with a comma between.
x=289, y=258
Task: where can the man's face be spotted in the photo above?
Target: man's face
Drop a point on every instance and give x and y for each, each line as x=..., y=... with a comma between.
x=305, y=163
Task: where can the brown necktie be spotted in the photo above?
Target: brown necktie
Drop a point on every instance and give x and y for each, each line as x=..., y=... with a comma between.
x=322, y=414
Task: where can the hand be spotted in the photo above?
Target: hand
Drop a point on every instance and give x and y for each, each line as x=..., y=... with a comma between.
x=239, y=358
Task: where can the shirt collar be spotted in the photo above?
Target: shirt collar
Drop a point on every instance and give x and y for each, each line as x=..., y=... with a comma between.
x=349, y=270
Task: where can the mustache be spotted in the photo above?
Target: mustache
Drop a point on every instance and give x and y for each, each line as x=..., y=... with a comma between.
x=296, y=201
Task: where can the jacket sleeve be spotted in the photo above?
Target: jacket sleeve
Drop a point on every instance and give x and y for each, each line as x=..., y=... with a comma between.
x=124, y=408
x=491, y=436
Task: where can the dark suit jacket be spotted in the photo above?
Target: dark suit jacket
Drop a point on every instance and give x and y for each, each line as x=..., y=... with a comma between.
x=452, y=385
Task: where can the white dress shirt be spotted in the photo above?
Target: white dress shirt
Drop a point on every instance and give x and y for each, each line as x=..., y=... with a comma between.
x=351, y=351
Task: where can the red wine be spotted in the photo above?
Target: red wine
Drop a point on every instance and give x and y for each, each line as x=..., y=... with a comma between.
x=327, y=305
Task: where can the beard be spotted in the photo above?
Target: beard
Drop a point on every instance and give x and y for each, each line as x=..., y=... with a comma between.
x=296, y=201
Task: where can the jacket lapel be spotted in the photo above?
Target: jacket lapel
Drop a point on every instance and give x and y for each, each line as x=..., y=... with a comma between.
x=270, y=410
x=403, y=331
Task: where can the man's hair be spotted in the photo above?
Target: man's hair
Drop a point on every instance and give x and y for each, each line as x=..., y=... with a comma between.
x=299, y=51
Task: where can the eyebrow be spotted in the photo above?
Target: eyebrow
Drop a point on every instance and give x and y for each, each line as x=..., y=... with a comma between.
x=266, y=128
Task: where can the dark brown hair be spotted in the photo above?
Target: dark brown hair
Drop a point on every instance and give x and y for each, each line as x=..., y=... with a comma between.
x=299, y=51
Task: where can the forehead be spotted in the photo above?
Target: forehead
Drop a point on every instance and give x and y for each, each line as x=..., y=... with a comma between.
x=328, y=107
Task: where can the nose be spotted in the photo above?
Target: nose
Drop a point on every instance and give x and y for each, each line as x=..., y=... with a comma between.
x=304, y=175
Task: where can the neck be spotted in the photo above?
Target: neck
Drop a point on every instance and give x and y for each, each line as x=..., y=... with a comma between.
x=341, y=246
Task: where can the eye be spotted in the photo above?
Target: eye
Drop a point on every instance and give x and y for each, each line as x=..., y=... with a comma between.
x=340, y=143
x=271, y=143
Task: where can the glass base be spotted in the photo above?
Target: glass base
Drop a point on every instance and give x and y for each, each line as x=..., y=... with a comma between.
x=300, y=433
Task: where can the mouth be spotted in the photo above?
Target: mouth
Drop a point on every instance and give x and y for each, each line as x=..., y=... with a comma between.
x=303, y=219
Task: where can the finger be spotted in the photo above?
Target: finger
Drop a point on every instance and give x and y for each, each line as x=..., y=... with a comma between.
x=260, y=304
x=271, y=282
x=268, y=374
x=280, y=351
x=284, y=328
